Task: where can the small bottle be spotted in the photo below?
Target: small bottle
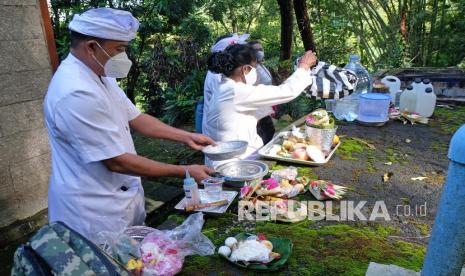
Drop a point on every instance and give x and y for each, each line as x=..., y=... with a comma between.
x=191, y=189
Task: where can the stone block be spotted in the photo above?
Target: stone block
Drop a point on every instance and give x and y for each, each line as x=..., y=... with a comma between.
x=23, y=146
x=21, y=117
x=32, y=176
x=23, y=55
x=23, y=86
x=20, y=22
x=18, y=2
x=6, y=184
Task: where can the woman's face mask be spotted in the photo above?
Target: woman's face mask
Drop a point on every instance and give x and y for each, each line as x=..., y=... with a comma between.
x=251, y=76
x=117, y=66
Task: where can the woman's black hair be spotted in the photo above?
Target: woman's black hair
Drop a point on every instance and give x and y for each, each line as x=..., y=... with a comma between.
x=232, y=57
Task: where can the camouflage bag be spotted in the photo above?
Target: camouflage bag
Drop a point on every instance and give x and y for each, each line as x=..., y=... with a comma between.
x=56, y=249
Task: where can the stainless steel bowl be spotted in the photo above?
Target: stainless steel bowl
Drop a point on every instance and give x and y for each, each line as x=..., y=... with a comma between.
x=225, y=150
x=243, y=170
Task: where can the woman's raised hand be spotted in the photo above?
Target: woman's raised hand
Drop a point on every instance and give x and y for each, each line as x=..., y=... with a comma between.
x=308, y=60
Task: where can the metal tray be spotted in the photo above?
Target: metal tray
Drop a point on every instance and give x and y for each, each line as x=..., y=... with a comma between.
x=229, y=195
x=243, y=170
x=277, y=140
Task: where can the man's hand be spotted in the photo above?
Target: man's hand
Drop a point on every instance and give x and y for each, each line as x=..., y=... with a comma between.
x=198, y=141
x=199, y=172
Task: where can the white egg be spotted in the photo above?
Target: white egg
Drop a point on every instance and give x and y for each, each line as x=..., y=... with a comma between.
x=230, y=242
x=225, y=251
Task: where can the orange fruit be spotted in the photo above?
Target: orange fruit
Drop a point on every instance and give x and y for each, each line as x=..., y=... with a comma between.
x=336, y=140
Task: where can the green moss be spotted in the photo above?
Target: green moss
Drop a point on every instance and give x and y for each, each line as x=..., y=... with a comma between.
x=424, y=228
x=350, y=146
x=343, y=249
x=392, y=155
x=447, y=121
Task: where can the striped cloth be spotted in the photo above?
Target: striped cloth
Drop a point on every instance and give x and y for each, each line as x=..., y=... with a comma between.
x=331, y=82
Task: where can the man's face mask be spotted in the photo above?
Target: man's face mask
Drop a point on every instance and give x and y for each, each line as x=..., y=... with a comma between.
x=117, y=66
x=260, y=56
x=251, y=77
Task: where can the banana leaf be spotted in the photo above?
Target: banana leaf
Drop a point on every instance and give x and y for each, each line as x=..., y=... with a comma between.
x=280, y=245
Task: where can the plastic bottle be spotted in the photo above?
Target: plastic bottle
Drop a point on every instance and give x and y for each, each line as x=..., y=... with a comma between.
x=393, y=83
x=408, y=100
x=426, y=102
x=191, y=190
x=364, y=78
x=199, y=116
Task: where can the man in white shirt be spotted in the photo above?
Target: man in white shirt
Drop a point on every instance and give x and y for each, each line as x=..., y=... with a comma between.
x=95, y=169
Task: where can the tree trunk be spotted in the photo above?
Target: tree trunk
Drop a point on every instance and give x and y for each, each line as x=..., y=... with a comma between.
x=303, y=21
x=285, y=9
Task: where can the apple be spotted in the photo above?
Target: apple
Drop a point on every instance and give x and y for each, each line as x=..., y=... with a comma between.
x=300, y=154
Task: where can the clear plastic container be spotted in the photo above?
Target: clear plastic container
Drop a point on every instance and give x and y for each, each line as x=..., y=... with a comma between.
x=364, y=78
x=374, y=108
x=330, y=105
x=214, y=188
x=346, y=109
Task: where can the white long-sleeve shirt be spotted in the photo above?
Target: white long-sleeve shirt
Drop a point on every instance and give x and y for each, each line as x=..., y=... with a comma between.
x=234, y=107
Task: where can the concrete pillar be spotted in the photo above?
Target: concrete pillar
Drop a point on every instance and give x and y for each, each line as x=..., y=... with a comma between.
x=25, y=71
x=446, y=249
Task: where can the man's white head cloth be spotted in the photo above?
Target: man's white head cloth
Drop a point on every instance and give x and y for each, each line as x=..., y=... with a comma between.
x=225, y=42
x=105, y=23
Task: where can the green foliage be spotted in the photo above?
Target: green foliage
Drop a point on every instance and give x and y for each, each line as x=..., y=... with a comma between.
x=174, y=38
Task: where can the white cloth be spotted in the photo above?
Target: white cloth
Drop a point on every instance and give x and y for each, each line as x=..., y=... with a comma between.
x=234, y=107
x=87, y=118
x=106, y=23
x=225, y=42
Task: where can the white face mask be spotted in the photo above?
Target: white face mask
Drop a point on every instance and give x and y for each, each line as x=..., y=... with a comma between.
x=251, y=77
x=117, y=66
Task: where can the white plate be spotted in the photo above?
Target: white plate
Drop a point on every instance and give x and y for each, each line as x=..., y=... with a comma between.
x=229, y=195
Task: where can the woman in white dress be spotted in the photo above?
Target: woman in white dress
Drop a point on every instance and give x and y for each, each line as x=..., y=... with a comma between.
x=237, y=104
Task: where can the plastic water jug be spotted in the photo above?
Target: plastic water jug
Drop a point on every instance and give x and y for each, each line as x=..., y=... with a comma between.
x=393, y=83
x=426, y=83
x=364, y=78
x=426, y=102
x=408, y=100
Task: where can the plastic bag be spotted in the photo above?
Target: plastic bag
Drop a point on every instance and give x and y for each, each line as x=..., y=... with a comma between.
x=289, y=173
x=119, y=245
x=163, y=252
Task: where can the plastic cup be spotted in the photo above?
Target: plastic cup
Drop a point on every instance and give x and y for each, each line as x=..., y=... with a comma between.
x=213, y=188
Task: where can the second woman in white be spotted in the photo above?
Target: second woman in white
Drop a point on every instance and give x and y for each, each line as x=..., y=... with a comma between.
x=236, y=104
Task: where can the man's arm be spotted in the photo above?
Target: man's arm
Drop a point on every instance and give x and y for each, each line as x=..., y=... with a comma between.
x=137, y=165
x=152, y=127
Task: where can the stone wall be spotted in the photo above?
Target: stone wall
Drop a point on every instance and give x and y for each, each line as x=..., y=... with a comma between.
x=24, y=75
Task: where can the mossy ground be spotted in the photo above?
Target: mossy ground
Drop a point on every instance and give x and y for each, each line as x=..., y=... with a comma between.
x=447, y=121
x=337, y=249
